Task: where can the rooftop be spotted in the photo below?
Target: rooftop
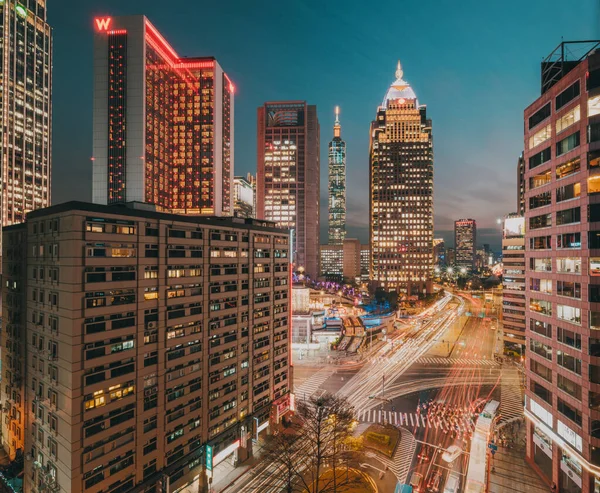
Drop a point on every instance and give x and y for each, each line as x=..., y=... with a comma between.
x=400, y=89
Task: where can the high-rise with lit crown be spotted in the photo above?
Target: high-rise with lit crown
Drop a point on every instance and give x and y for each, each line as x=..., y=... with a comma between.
x=163, y=124
x=25, y=161
x=337, y=184
x=26, y=108
x=288, y=180
x=401, y=192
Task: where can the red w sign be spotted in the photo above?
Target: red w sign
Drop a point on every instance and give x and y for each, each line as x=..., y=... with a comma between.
x=103, y=23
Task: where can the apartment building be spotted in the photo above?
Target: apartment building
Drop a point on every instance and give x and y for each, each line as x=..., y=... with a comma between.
x=142, y=347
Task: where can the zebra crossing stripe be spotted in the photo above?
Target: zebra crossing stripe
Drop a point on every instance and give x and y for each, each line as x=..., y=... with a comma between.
x=396, y=419
x=411, y=420
x=423, y=421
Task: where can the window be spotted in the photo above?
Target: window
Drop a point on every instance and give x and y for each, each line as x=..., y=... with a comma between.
x=593, y=346
x=594, y=213
x=542, y=328
x=594, y=242
x=543, y=221
x=593, y=184
x=568, y=386
x=569, y=265
x=569, y=338
x=541, y=306
x=567, y=95
x=594, y=106
x=569, y=313
x=540, y=348
x=540, y=264
x=541, y=370
x=568, y=216
x=593, y=132
x=568, y=240
x=569, y=289
x=540, y=179
x=567, y=144
x=568, y=168
x=569, y=362
x=541, y=285
x=567, y=192
x=541, y=391
x=568, y=411
x=540, y=243
x=569, y=118
x=594, y=292
x=540, y=158
x=540, y=200
x=540, y=115
x=540, y=136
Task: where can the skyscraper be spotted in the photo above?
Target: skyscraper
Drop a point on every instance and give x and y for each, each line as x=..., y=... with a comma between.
x=465, y=241
x=26, y=108
x=25, y=162
x=337, y=184
x=288, y=181
x=521, y=185
x=244, y=196
x=562, y=239
x=163, y=124
x=401, y=192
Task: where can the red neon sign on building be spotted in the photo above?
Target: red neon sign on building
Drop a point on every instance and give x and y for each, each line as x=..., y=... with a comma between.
x=103, y=23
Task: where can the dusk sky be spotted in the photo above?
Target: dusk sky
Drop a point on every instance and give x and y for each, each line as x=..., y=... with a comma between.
x=474, y=64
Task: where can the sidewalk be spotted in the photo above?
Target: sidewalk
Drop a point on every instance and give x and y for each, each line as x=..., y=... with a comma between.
x=512, y=473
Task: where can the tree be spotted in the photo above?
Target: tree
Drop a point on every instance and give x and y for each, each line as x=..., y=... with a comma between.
x=280, y=450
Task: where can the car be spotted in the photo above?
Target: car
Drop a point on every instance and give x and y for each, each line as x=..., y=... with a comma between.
x=451, y=453
x=434, y=482
x=415, y=481
x=452, y=483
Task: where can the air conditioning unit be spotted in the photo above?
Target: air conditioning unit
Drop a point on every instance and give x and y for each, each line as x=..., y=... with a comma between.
x=152, y=325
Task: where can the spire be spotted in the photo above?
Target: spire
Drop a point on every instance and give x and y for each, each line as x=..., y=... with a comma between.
x=399, y=72
x=337, y=128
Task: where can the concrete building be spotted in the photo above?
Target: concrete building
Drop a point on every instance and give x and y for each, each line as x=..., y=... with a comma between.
x=337, y=184
x=401, y=192
x=465, y=241
x=141, y=345
x=331, y=262
x=288, y=175
x=344, y=262
x=25, y=109
x=439, y=252
x=244, y=196
x=163, y=124
x=562, y=218
x=513, y=282
x=365, y=263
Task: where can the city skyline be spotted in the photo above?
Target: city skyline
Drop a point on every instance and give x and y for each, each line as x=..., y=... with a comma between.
x=477, y=84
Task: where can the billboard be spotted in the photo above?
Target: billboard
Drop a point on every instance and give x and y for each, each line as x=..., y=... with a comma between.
x=514, y=226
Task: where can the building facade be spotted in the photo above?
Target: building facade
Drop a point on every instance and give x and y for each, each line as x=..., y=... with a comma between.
x=465, y=241
x=521, y=185
x=562, y=219
x=348, y=262
x=288, y=175
x=513, y=283
x=244, y=196
x=149, y=343
x=365, y=263
x=163, y=124
x=337, y=184
x=401, y=192
x=26, y=108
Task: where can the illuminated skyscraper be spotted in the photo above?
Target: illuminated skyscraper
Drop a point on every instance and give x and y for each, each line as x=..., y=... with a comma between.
x=337, y=184
x=244, y=196
x=401, y=192
x=25, y=162
x=25, y=103
x=163, y=124
x=288, y=171
x=465, y=241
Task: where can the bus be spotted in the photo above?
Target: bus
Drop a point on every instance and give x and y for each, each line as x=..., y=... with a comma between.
x=477, y=468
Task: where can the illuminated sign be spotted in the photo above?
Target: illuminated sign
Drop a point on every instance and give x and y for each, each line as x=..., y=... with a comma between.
x=594, y=266
x=540, y=412
x=21, y=10
x=103, y=23
x=209, y=457
x=569, y=435
x=514, y=226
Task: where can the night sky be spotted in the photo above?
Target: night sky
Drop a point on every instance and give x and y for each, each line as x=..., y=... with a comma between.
x=475, y=64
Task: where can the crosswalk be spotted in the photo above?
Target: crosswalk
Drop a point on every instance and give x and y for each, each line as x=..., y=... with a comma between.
x=511, y=396
x=409, y=420
x=457, y=362
x=403, y=457
x=311, y=385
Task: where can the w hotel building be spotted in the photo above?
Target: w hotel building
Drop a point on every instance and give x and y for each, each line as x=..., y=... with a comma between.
x=562, y=221
x=163, y=124
x=153, y=345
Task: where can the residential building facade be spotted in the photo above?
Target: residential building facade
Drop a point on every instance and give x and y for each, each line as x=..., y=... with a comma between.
x=163, y=124
x=401, y=192
x=288, y=176
x=149, y=343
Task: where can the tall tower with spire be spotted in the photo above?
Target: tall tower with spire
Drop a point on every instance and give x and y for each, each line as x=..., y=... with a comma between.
x=401, y=192
x=337, y=184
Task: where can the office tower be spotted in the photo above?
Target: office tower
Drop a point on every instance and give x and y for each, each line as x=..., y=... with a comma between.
x=513, y=282
x=365, y=263
x=439, y=251
x=163, y=124
x=153, y=343
x=562, y=223
x=244, y=196
x=343, y=262
x=331, y=262
x=521, y=185
x=337, y=184
x=25, y=153
x=401, y=192
x=288, y=172
x=465, y=239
